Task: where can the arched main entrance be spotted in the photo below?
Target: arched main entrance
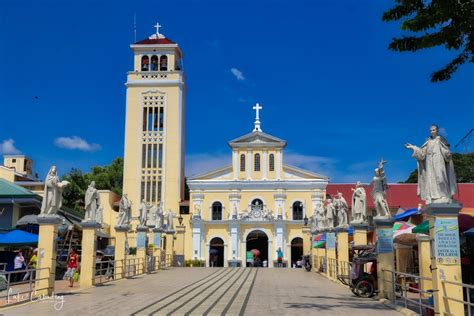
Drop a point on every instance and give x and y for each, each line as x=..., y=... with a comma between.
x=296, y=250
x=257, y=240
x=216, y=252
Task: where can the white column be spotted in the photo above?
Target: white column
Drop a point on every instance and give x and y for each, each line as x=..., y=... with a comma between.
x=249, y=164
x=265, y=164
x=197, y=242
x=278, y=165
x=235, y=164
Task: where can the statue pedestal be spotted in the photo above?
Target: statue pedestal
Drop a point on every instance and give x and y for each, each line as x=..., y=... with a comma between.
x=88, y=252
x=445, y=261
x=180, y=244
x=360, y=233
x=120, y=242
x=48, y=231
x=169, y=248
x=424, y=262
x=385, y=256
x=142, y=243
x=343, y=253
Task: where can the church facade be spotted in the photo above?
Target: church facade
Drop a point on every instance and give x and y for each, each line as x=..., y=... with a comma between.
x=258, y=203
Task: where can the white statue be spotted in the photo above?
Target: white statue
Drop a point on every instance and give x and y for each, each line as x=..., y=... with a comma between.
x=280, y=212
x=153, y=215
x=235, y=212
x=436, y=177
x=359, y=204
x=320, y=216
x=197, y=210
x=92, y=202
x=330, y=213
x=53, y=189
x=99, y=215
x=161, y=216
x=169, y=220
x=342, y=207
x=314, y=218
x=125, y=211
x=379, y=188
x=143, y=213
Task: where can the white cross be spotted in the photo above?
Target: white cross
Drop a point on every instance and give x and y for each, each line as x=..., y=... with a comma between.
x=157, y=28
x=257, y=109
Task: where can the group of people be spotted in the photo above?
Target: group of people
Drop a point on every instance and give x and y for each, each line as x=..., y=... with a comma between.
x=22, y=266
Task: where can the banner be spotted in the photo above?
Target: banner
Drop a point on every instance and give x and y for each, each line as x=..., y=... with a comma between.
x=141, y=239
x=331, y=241
x=384, y=240
x=446, y=240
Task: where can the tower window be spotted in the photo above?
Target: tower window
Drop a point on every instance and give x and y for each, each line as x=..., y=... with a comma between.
x=145, y=63
x=216, y=211
x=154, y=63
x=297, y=211
x=242, y=162
x=164, y=63
x=272, y=162
x=257, y=162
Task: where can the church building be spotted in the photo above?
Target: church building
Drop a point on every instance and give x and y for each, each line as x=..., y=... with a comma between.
x=257, y=204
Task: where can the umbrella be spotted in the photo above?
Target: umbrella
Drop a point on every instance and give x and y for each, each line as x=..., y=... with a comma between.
x=18, y=237
x=423, y=228
x=400, y=228
x=319, y=244
x=407, y=213
x=469, y=233
x=255, y=252
x=466, y=219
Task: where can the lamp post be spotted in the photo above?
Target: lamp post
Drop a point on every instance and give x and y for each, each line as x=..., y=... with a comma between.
x=305, y=220
x=180, y=219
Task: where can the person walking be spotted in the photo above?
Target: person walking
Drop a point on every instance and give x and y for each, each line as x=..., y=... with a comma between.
x=279, y=258
x=32, y=264
x=18, y=265
x=72, y=265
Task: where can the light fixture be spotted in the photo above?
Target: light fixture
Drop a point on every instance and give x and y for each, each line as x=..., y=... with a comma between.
x=180, y=219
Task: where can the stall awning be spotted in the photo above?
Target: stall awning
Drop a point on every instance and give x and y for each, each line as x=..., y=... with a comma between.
x=18, y=237
x=407, y=213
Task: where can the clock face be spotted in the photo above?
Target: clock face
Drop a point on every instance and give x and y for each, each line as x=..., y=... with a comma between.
x=257, y=213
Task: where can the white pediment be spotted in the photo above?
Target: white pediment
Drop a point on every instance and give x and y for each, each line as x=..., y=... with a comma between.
x=257, y=138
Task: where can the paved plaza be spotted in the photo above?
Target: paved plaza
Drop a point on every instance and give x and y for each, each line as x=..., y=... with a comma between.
x=213, y=291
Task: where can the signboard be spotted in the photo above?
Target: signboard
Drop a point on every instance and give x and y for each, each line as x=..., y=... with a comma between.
x=384, y=240
x=331, y=241
x=249, y=256
x=157, y=240
x=141, y=239
x=446, y=240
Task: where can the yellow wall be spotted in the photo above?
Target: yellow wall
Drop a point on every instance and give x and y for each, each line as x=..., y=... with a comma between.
x=172, y=171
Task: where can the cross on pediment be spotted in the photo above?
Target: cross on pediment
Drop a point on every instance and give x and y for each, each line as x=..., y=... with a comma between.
x=257, y=109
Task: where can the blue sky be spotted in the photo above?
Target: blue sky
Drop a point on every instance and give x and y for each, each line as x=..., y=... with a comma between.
x=321, y=69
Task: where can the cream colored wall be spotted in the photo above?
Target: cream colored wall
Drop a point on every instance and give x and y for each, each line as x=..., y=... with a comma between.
x=107, y=199
x=258, y=175
x=172, y=182
x=7, y=174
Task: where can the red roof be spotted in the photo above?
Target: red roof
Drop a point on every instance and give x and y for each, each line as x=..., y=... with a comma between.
x=401, y=194
x=148, y=41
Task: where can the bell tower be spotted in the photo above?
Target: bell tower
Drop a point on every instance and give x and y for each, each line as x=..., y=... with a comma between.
x=155, y=123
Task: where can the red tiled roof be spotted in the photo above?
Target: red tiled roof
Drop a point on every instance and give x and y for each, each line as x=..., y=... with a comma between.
x=149, y=41
x=402, y=194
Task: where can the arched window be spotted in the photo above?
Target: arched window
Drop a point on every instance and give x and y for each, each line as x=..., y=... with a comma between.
x=257, y=203
x=297, y=211
x=154, y=63
x=164, y=63
x=216, y=211
x=145, y=63
x=257, y=162
x=242, y=162
x=272, y=162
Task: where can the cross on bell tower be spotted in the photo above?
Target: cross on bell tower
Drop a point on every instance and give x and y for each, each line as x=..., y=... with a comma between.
x=257, y=109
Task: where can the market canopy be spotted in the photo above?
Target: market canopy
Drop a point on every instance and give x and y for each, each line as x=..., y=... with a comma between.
x=407, y=213
x=18, y=237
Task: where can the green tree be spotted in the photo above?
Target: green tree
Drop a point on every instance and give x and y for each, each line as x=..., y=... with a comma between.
x=108, y=177
x=439, y=22
x=463, y=166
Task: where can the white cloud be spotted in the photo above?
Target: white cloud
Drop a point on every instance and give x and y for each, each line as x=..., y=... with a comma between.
x=75, y=142
x=7, y=147
x=238, y=74
x=199, y=163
